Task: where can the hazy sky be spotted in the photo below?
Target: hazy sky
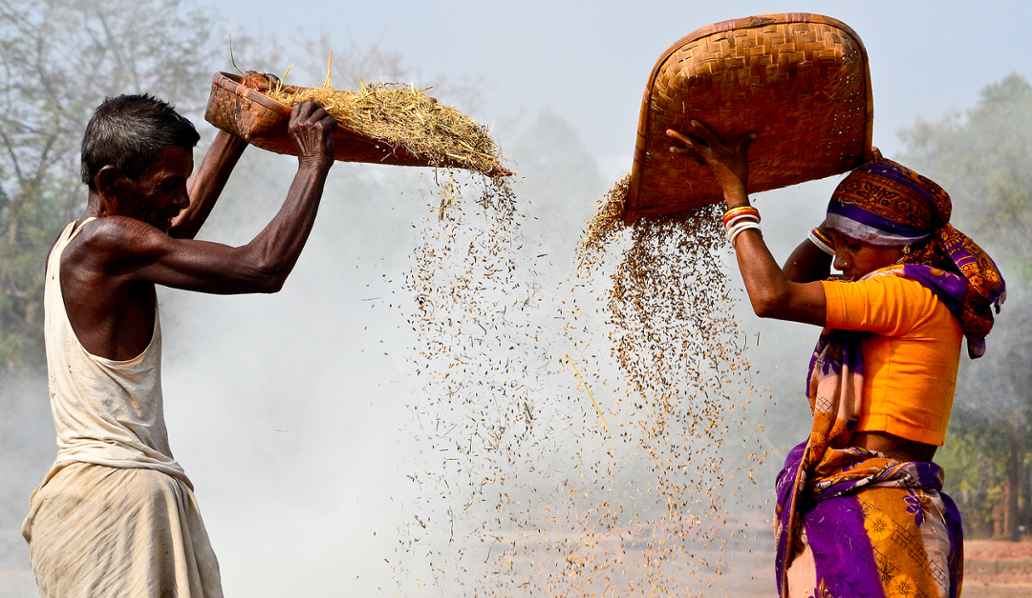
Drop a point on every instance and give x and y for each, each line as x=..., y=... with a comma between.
x=589, y=61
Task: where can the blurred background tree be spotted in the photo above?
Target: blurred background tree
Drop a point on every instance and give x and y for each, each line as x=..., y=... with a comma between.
x=982, y=158
x=59, y=59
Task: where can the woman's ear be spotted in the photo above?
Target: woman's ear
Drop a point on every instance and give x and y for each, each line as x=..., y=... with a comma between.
x=909, y=252
x=108, y=182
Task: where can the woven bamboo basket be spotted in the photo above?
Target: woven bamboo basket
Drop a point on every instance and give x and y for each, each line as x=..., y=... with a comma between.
x=800, y=82
x=262, y=121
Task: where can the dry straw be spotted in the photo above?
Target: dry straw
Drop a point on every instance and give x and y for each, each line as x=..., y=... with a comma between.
x=403, y=116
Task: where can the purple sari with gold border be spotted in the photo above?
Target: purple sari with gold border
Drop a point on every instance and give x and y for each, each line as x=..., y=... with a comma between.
x=876, y=527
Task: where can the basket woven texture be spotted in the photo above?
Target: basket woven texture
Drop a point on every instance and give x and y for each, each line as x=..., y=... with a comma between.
x=262, y=121
x=800, y=81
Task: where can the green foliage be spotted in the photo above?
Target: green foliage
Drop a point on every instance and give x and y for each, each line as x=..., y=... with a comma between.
x=981, y=158
x=974, y=475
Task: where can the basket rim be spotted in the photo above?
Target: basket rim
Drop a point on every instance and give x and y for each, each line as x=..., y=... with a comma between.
x=750, y=22
x=233, y=83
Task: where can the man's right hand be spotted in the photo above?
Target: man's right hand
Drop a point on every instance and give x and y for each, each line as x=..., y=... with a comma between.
x=312, y=128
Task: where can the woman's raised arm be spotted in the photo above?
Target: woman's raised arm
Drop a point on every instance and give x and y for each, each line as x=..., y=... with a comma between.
x=772, y=293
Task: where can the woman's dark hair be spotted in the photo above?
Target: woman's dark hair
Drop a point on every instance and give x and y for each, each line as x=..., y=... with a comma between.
x=931, y=254
x=129, y=131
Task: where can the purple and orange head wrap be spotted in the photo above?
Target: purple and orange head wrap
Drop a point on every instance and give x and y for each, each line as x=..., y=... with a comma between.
x=885, y=203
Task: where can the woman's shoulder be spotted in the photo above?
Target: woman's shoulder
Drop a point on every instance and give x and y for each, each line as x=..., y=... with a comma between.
x=919, y=293
x=886, y=301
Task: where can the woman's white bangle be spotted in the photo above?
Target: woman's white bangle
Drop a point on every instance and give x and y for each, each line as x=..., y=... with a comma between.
x=738, y=229
x=820, y=244
x=730, y=224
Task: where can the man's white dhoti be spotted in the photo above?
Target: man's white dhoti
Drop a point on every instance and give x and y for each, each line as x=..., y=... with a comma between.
x=104, y=532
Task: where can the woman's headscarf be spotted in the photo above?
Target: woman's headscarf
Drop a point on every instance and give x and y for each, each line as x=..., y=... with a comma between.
x=885, y=203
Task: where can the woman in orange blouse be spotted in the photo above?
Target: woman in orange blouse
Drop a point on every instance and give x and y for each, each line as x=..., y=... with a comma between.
x=860, y=511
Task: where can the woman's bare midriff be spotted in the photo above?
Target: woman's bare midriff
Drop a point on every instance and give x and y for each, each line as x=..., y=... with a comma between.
x=894, y=446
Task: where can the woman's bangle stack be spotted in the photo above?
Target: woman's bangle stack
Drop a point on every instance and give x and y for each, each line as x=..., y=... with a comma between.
x=740, y=219
x=822, y=241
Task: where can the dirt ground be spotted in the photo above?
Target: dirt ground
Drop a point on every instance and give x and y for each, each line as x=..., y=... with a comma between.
x=992, y=569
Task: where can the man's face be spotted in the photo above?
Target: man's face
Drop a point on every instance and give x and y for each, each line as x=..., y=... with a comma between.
x=159, y=194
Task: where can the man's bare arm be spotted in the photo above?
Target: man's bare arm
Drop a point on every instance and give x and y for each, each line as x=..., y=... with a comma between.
x=133, y=250
x=205, y=186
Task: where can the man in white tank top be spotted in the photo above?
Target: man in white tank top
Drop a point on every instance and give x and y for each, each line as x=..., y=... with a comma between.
x=116, y=516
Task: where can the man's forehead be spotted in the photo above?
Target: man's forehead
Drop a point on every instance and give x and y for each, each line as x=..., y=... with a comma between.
x=174, y=160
